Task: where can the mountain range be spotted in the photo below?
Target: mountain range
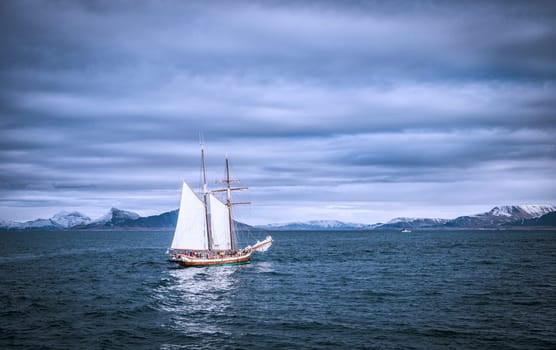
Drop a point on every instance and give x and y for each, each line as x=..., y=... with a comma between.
x=500, y=217
x=316, y=225
x=115, y=219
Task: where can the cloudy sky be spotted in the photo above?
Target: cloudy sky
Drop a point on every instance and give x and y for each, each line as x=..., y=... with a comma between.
x=359, y=111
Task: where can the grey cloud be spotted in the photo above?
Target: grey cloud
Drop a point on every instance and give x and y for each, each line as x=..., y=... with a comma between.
x=285, y=40
x=314, y=101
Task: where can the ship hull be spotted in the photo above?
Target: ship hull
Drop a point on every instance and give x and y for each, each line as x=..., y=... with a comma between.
x=229, y=260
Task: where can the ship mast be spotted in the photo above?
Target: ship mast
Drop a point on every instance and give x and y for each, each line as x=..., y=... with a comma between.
x=229, y=202
x=205, y=195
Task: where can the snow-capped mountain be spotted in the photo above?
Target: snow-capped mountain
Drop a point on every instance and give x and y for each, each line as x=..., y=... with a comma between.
x=316, y=225
x=64, y=220
x=525, y=211
x=7, y=224
x=70, y=219
x=43, y=224
x=501, y=215
x=59, y=221
x=401, y=219
x=412, y=223
x=114, y=217
x=116, y=214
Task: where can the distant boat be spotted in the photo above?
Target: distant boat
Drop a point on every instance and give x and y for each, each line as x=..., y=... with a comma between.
x=406, y=230
x=204, y=233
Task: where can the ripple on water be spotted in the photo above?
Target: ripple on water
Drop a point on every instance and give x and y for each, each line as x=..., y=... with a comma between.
x=353, y=290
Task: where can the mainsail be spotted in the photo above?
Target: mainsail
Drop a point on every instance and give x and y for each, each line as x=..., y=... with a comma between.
x=220, y=224
x=191, y=229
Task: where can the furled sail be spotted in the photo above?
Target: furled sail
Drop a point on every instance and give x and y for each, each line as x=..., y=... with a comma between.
x=191, y=230
x=220, y=225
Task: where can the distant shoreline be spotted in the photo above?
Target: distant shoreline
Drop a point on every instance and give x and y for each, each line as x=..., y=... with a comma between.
x=170, y=229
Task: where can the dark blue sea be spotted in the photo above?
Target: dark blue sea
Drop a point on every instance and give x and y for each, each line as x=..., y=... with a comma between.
x=313, y=290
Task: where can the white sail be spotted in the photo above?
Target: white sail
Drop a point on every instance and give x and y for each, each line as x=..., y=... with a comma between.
x=191, y=230
x=220, y=225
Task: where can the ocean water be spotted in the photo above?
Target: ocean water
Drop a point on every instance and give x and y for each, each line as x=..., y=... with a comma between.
x=317, y=290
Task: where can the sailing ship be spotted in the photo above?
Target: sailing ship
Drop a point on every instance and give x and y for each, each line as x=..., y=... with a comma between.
x=205, y=233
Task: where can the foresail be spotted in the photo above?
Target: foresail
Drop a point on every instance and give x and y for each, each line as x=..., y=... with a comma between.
x=191, y=231
x=220, y=226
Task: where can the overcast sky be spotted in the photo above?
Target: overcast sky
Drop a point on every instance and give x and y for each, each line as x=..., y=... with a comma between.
x=360, y=111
